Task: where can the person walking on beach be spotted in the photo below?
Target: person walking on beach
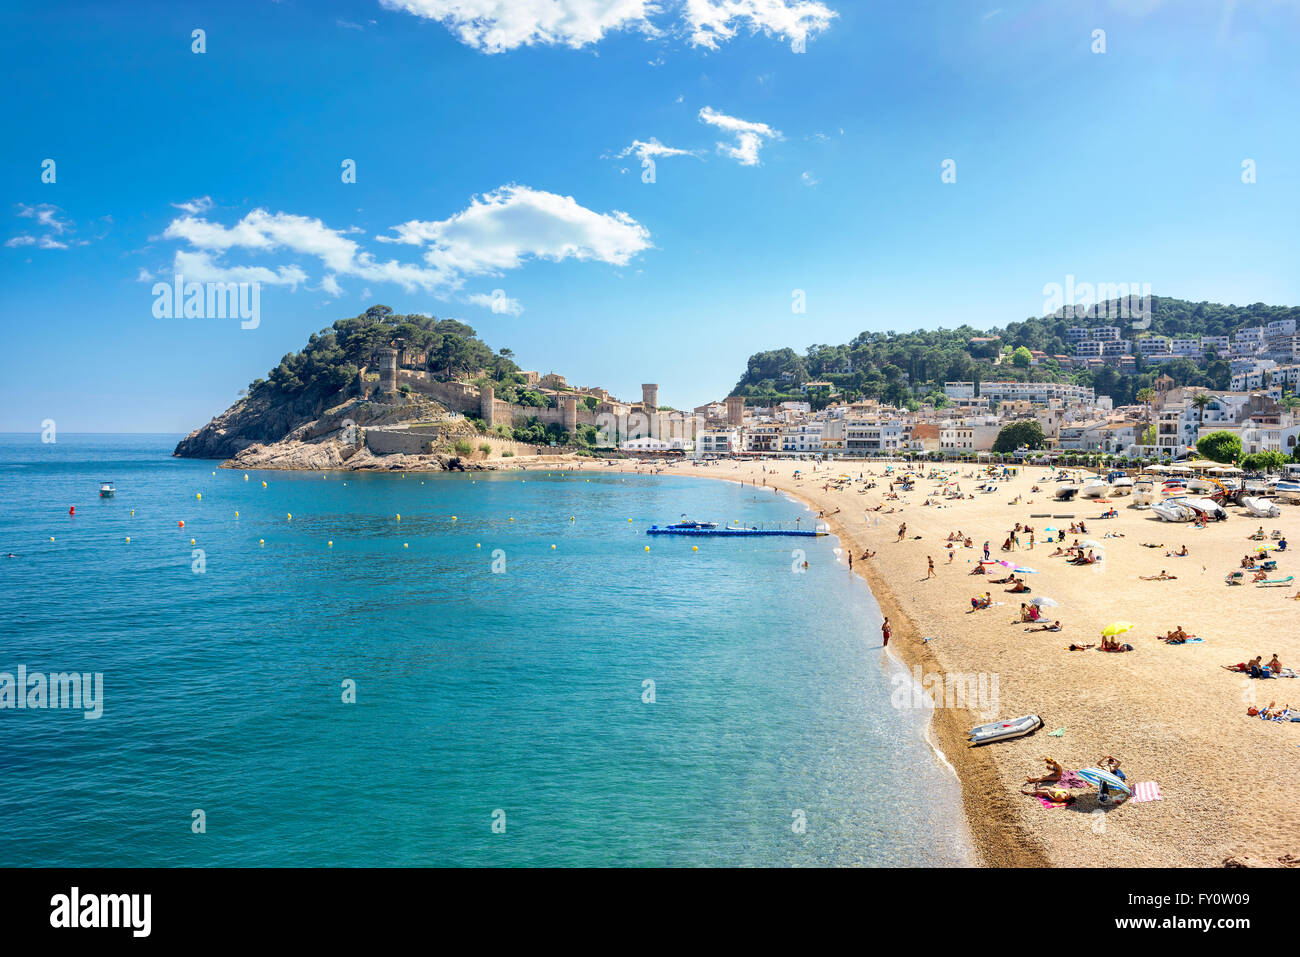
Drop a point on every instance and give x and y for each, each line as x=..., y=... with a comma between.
x=885, y=632
x=930, y=572
x=986, y=551
x=902, y=530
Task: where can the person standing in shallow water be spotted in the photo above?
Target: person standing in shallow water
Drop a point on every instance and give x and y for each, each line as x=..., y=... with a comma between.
x=885, y=633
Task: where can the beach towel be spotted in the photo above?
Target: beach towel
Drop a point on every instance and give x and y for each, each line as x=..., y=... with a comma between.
x=1071, y=780
x=1049, y=804
x=1146, y=791
x=1058, y=733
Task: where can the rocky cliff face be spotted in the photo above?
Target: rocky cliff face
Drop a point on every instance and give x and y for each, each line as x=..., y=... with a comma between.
x=247, y=422
x=302, y=434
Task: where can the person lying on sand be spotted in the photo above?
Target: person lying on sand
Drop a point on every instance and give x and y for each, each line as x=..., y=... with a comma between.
x=1110, y=644
x=1164, y=576
x=1073, y=647
x=1054, y=626
x=1151, y=545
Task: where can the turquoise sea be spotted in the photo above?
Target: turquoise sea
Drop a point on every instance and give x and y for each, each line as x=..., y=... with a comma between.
x=515, y=695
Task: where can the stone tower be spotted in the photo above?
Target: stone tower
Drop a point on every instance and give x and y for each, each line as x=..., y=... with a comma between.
x=570, y=405
x=735, y=410
x=650, y=398
x=487, y=398
x=388, y=370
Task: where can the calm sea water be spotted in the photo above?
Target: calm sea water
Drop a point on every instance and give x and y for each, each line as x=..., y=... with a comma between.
x=478, y=693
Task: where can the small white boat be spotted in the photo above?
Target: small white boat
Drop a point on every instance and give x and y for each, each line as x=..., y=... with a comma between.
x=1172, y=510
x=1005, y=730
x=1187, y=509
x=1145, y=492
x=106, y=490
x=1067, y=493
x=1121, y=486
x=1259, y=507
x=1095, y=488
x=1289, y=491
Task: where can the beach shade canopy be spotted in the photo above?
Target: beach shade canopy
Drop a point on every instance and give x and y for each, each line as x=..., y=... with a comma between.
x=1025, y=570
x=1042, y=601
x=1089, y=543
x=1117, y=628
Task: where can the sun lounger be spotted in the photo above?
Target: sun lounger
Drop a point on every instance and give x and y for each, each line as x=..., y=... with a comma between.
x=1277, y=581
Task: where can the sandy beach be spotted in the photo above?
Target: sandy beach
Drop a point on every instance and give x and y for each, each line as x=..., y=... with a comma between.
x=1170, y=713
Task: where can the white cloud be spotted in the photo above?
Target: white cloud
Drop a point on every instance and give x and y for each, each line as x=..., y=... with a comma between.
x=498, y=231
x=144, y=275
x=46, y=216
x=196, y=206
x=494, y=26
x=750, y=137
x=651, y=149
x=496, y=302
x=200, y=267
x=23, y=240
x=809, y=179
x=502, y=229
x=712, y=20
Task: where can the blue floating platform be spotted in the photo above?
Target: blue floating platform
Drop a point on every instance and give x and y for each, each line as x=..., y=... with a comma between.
x=735, y=532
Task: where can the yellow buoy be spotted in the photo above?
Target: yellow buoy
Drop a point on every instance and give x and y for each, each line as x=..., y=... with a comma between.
x=647, y=548
x=128, y=539
x=478, y=544
x=245, y=476
x=191, y=541
x=399, y=516
x=331, y=544
x=261, y=541
x=198, y=495
x=552, y=546
x=51, y=538
x=289, y=516
x=629, y=520
x=512, y=518
x=133, y=513
x=263, y=485
x=695, y=548
x=405, y=545
x=572, y=519
x=236, y=513
x=453, y=518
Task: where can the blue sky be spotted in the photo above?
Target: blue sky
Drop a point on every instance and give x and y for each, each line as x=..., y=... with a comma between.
x=487, y=158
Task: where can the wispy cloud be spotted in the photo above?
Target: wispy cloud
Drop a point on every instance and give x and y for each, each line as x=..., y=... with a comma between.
x=750, y=137
x=651, y=149
x=495, y=26
x=499, y=231
x=53, y=231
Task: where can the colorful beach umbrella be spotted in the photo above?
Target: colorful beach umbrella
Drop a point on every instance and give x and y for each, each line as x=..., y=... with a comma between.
x=1117, y=628
x=1042, y=601
x=1099, y=777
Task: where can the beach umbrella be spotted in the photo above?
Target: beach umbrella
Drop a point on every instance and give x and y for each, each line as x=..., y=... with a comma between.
x=1042, y=601
x=1117, y=628
x=1026, y=571
x=1098, y=777
x=1089, y=543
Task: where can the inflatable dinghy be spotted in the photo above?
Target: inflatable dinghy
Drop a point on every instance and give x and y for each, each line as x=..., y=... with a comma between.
x=1005, y=730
